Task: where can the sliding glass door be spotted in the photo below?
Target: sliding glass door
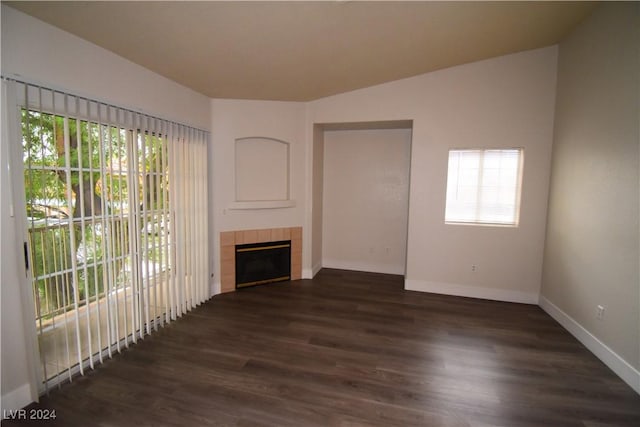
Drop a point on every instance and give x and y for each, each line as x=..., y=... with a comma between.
x=116, y=214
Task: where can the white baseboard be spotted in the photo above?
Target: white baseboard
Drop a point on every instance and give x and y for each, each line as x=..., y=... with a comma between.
x=362, y=266
x=16, y=399
x=617, y=364
x=307, y=273
x=310, y=273
x=471, y=291
x=316, y=268
x=215, y=288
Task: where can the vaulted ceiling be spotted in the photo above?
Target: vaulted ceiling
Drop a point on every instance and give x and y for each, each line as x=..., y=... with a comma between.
x=300, y=51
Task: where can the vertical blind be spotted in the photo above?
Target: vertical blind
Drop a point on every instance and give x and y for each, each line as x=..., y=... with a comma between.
x=116, y=210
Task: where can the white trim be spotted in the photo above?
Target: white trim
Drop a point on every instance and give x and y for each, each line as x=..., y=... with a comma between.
x=617, y=364
x=16, y=399
x=363, y=266
x=262, y=204
x=307, y=273
x=310, y=273
x=316, y=269
x=215, y=288
x=12, y=123
x=471, y=291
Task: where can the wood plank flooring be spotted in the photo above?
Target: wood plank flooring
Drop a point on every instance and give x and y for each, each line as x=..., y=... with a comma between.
x=350, y=349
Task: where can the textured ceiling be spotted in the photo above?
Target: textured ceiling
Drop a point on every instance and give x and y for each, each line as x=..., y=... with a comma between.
x=300, y=51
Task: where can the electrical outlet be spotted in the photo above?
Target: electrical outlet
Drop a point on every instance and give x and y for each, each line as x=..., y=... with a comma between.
x=599, y=312
x=474, y=267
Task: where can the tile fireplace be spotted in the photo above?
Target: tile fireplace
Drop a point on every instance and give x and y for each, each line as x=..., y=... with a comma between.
x=231, y=241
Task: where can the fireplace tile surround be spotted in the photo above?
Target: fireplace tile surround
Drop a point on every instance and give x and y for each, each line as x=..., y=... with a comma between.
x=229, y=240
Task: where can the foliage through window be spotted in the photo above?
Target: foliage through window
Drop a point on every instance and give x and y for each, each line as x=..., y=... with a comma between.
x=116, y=210
x=77, y=186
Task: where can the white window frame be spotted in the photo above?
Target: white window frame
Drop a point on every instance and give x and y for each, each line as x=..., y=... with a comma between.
x=479, y=215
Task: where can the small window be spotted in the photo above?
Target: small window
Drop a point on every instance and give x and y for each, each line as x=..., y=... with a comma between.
x=483, y=186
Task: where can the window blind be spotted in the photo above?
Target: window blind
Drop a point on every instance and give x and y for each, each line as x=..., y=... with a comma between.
x=116, y=224
x=483, y=186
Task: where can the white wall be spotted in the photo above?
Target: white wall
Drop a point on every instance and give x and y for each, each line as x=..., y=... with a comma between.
x=366, y=199
x=39, y=53
x=316, y=199
x=592, y=255
x=232, y=119
x=502, y=102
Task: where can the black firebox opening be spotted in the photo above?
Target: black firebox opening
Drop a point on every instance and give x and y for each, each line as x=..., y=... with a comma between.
x=260, y=263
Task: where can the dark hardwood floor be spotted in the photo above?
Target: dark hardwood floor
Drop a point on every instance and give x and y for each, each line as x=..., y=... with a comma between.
x=351, y=349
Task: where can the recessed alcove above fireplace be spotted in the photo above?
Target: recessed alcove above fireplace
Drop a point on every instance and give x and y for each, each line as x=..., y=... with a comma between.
x=262, y=174
x=230, y=240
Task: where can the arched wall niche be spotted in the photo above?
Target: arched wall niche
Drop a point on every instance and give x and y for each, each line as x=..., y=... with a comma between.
x=262, y=173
